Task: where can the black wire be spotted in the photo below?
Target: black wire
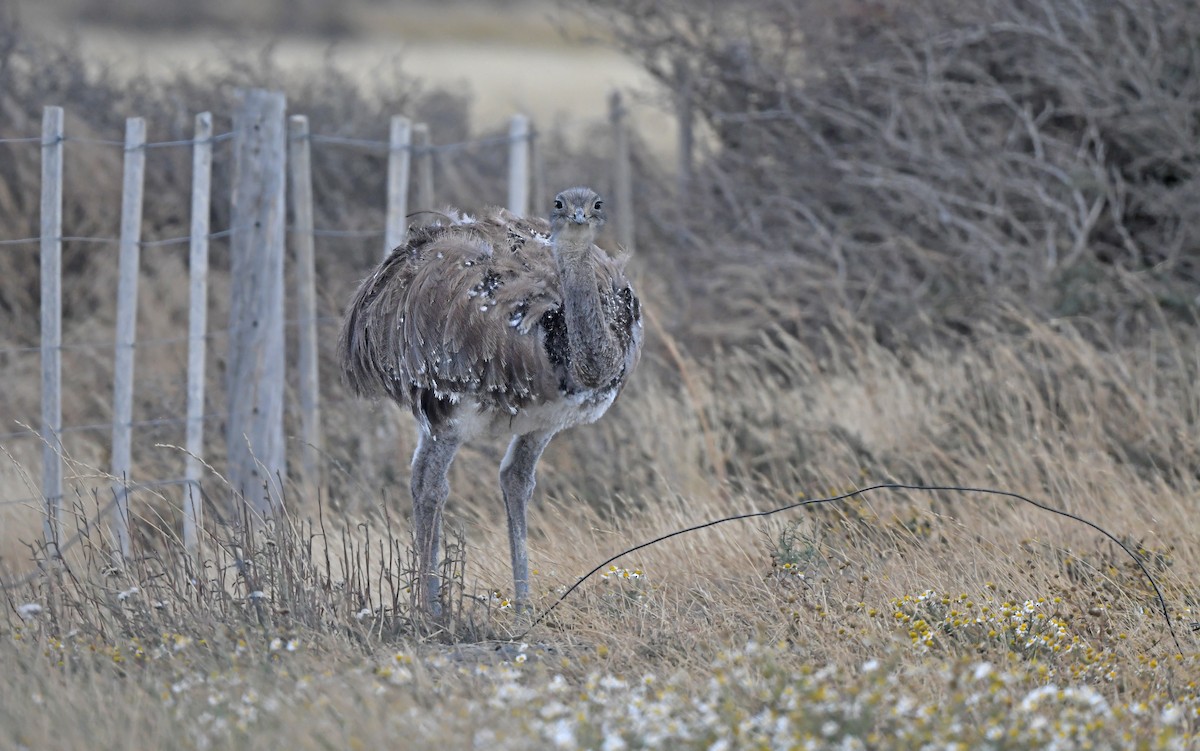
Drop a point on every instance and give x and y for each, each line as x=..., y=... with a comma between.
x=882, y=486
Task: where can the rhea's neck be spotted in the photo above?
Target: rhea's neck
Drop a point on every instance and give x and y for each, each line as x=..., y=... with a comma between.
x=595, y=359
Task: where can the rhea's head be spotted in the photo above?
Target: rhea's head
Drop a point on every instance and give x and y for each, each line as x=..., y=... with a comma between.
x=577, y=212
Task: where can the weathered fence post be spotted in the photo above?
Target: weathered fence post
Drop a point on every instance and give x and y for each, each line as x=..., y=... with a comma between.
x=399, y=166
x=51, y=272
x=686, y=116
x=622, y=171
x=537, y=173
x=518, y=165
x=256, y=353
x=300, y=167
x=126, y=336
x=193, y=507
x=423, y=151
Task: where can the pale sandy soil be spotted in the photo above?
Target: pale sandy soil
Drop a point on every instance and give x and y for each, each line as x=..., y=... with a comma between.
x=529, y=57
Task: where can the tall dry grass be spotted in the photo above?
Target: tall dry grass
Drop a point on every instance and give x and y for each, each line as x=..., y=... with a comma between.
x=1108, y=435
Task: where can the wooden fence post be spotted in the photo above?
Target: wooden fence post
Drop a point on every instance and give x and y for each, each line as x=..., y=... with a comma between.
x=518, y=165
x=51, y=354
x=421, y=144
x=300, y=167
x=537, y=173
x=622, y=172
x=256, y=347
x=193, y=506
x=686, y=116
x=126, y=335
x=399, y=166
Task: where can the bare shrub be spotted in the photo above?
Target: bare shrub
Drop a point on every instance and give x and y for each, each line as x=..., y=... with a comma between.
x=912, y=161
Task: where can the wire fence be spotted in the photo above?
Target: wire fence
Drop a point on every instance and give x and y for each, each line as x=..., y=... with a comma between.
x=409, y=153
x=52, y=142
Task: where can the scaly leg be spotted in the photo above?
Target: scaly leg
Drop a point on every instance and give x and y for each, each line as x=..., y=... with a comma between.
x=517, y=481
x=430, y=489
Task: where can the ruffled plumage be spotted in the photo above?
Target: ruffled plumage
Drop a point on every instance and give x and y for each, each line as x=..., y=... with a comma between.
x=472, y=308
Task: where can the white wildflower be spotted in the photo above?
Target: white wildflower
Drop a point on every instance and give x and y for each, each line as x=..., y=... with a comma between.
x=29, y=610
x=1035, y=696
x=613, y=683
x=613, y=742
x=562, y=733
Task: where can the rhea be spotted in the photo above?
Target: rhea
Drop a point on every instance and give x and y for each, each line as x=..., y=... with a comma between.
x=493, y=326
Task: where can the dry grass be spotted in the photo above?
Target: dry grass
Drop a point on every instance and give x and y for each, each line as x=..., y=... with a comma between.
x=945, y=619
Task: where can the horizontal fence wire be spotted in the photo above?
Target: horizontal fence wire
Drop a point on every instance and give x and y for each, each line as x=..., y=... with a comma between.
x=153, y=342
x=184, y=239
x=187, y=141
x=358, y=143
x=111, y=142
x=152, y=423
x=488, y=141
x=362, y=143
x=129, y=487
x=350, y=233
x=385, y=146
x=382, y=147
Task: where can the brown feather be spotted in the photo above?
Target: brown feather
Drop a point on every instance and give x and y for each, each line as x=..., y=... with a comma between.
x=472, y=307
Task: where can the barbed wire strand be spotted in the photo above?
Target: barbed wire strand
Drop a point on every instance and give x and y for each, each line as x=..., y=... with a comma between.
x=386, y=146
x=154, y=422
x=126, y=489
x=184, y=239
x=860, y=491
x=363, y=143
x=157, y=341
x=148, y=485
x=112, y=142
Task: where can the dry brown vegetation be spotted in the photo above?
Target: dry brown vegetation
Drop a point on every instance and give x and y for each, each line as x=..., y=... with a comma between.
x=913, y=162
x=786, y=362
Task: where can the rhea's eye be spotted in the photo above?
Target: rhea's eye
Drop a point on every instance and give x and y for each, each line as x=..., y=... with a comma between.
x=598, y=205
x=557, y=204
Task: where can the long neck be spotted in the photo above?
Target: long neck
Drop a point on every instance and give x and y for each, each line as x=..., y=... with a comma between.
x=595, y=358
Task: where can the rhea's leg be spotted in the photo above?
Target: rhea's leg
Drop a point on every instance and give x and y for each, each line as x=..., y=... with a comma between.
x=517, y=481
x=430, y=489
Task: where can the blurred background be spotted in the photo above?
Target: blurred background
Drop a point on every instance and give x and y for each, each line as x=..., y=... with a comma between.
x=548, y=59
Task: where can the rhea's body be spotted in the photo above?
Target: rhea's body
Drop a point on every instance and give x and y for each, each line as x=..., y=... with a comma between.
x=491, y=326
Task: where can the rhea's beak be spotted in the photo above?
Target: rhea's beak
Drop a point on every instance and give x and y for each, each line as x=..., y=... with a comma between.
x=578, y=217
